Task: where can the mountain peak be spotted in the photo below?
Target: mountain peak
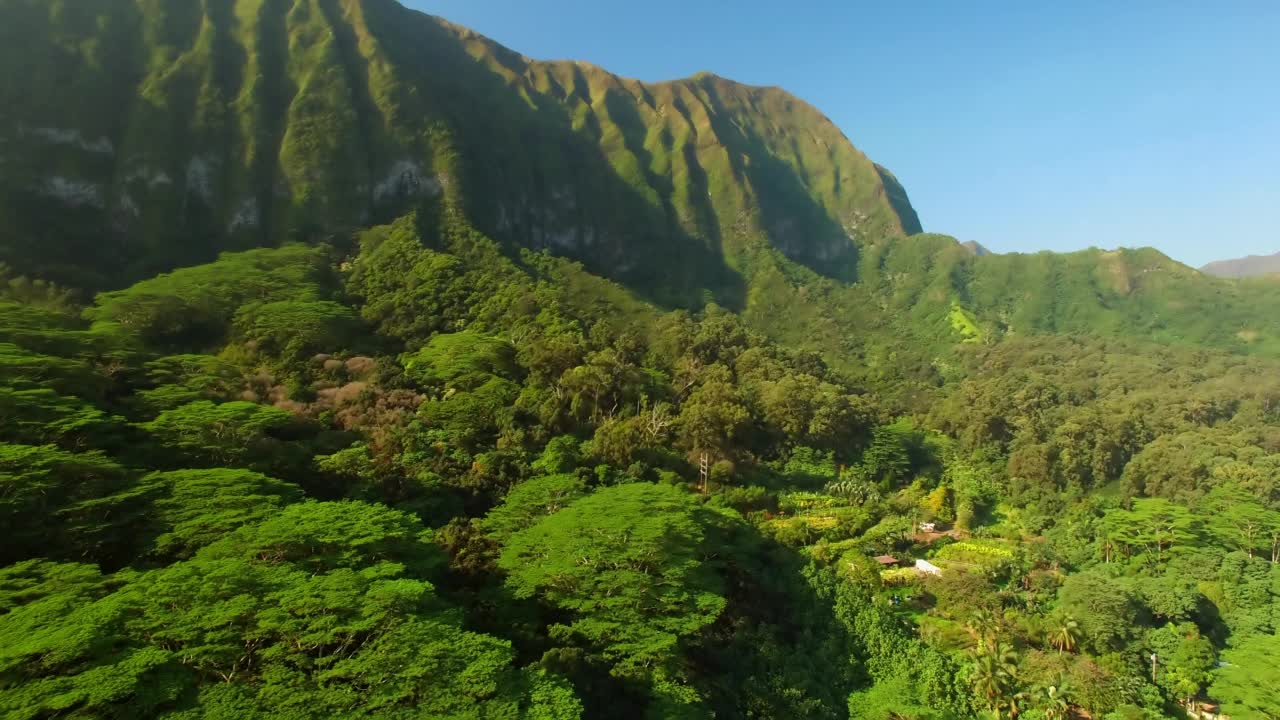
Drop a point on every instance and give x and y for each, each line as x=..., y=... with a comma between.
x=1250, y=266
x=232, y=132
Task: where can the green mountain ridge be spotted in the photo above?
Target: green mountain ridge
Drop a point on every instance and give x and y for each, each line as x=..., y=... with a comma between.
x=142, y=135
x=181, y=129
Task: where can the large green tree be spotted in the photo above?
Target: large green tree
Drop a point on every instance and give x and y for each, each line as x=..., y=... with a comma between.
x=631, y=567
x=233, y=433
x=1247, y=679
x=55, y=503
x=1105, y=609
x=323, y=610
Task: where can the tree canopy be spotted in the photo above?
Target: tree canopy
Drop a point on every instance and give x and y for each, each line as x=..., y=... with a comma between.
x=423, y=475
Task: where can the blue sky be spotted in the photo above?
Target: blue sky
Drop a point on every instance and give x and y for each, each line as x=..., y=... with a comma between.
x=1022, y=125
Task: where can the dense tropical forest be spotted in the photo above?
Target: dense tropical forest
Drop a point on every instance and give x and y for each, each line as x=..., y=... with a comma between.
x=417, y=476
x=613, y=401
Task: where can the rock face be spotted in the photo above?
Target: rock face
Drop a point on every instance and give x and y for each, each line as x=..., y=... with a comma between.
x=1250, y=266
x=136, y=135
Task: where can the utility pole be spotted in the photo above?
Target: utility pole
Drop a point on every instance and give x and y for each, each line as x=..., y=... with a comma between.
x=1153, y=667
x=703, y=472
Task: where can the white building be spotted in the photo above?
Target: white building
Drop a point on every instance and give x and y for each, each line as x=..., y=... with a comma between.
x=927, y=568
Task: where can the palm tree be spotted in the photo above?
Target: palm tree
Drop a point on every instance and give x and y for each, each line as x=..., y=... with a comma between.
x=995, y=678
x=1007, y=657
x=984, y=626
x=987, y=680
x=1066, y=633
x=1015, y=704
x=1053, y=701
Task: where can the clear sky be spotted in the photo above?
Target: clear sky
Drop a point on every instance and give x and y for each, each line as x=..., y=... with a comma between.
x=1022, y=125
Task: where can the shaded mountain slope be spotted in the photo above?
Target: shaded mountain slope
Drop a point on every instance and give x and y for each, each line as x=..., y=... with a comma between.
x=145, y=134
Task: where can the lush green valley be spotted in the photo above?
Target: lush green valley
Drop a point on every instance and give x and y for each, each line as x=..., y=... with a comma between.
x=356, y=366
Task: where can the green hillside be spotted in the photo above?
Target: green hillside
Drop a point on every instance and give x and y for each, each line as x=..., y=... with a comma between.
x=1130, y=293
x=141, y=135
x=422, y=478
x=156, y=133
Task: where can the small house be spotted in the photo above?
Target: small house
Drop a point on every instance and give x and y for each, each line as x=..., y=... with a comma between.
x=887, y=561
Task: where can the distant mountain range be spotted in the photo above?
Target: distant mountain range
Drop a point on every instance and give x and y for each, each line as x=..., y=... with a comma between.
x=1250, y=266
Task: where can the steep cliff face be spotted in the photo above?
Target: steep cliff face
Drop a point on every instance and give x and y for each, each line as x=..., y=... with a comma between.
x=141, y=135
x=136, y=135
